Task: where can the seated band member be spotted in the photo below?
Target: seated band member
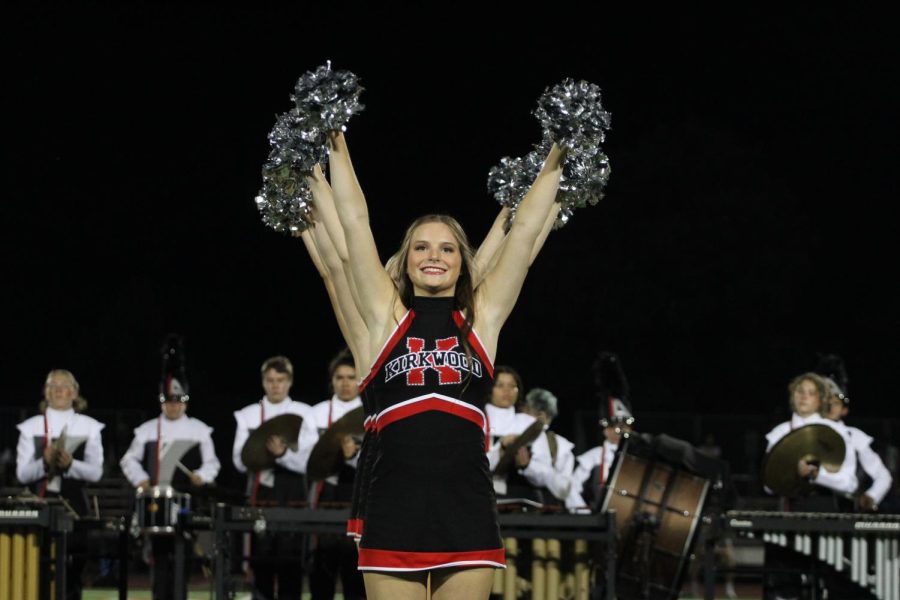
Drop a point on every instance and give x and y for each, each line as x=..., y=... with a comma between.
x=336, y=555
x=58, y=451
x=171, y=450
x=275, y=557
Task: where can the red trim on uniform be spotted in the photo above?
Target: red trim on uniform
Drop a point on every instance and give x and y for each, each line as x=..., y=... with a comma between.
x=474, y=342
x=369, y=423
x=43, y=491
x=426, y=404
x=399, y=332
x=354, y=527
x=391, y=559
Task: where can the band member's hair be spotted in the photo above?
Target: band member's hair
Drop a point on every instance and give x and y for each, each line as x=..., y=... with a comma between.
x=520, y=392
x=817, y=381
x=542, y=400
x=342, y=359
x=79, y=404
x=281, y=364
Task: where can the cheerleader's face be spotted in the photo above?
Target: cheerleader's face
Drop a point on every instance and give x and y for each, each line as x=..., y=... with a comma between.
x=434, y=260
x=60, y=392
x=505, y=391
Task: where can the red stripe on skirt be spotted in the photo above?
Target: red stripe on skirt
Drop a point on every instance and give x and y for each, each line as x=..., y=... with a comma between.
x=395, y=559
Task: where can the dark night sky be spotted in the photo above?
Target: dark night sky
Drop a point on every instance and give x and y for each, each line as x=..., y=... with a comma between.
x=747, y=222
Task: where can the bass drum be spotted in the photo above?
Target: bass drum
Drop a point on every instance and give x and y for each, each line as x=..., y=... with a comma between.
x=658, y=509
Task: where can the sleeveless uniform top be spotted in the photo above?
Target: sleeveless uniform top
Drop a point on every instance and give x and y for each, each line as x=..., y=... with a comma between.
x=425, y=498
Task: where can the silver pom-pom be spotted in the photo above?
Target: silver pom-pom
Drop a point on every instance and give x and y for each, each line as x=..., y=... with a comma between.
x=571, y=114
x=285, y=200
x=295, y=143
x=326, y=99
x=509, y=181
x=584, y=176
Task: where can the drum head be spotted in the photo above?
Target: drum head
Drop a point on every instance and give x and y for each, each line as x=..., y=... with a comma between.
x=658, y=507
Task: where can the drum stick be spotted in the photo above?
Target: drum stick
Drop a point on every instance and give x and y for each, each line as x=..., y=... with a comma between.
x=183, y=468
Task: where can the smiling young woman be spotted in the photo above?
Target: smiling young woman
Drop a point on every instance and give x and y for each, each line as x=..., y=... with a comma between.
x=428, y=324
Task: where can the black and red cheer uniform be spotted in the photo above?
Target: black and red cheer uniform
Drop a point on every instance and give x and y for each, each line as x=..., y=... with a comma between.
x=425, y=498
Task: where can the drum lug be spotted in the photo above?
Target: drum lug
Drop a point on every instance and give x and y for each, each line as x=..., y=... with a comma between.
x=259, y=526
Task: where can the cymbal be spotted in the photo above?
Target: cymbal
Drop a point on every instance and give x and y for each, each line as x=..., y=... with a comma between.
x=327, y=455
x=509, y=453
x=254, y=454
x=813, y=443
x=56, y=445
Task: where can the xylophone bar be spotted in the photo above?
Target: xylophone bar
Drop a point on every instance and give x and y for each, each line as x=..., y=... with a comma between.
x=865, y=547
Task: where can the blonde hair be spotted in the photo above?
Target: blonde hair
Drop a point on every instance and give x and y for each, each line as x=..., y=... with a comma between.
x=79, y=404
x=821, y=387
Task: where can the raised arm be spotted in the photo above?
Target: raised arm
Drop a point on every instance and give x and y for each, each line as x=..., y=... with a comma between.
x=374, y=286
x=501, y=286
x=491, y=253
x=326, y=214
x=318, y=244
x=489, y=250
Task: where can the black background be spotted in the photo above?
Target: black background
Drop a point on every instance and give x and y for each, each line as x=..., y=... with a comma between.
x=748, y=222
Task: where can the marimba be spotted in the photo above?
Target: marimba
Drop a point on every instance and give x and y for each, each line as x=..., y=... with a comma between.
x=33, y=548
x=864, y=547
x=227, y=519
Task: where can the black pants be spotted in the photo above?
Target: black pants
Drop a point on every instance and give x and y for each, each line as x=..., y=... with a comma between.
x=333, y=556
x=163, y=547
x=277, y=563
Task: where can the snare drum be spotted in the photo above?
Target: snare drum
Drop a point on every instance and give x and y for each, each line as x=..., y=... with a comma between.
x=157, y=508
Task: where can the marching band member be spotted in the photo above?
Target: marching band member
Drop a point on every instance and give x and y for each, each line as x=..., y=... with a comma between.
x=807, y=395
x=861, y=445
x=557, y=479
x=171, y=450
x=58, y=451
x=527, y=476
x=335, y=556
x=275, y=556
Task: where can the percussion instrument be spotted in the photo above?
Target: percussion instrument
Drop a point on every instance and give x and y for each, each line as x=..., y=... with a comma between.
x=255, y=455
x=227, y=520
x=327, y=455
x=157, y=508
x=658, y=507
x=524, y=439
x=816, y=444
x=866, y=548
x=33, y=536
